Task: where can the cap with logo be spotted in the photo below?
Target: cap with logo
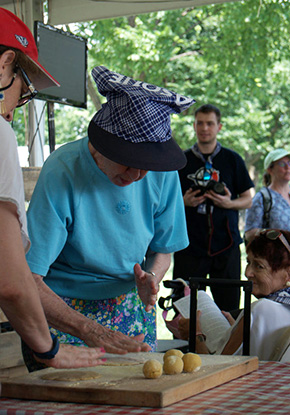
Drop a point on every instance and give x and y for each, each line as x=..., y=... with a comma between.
x=15, y=34
x=133, y=127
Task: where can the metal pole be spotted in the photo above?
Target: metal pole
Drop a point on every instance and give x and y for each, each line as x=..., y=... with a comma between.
x=51, y=126
x=194, y=285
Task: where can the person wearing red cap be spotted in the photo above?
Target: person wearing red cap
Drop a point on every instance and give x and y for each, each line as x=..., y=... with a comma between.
x=21, y=76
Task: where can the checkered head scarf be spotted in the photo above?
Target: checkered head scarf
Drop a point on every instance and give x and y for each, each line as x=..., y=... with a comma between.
x=133, y=127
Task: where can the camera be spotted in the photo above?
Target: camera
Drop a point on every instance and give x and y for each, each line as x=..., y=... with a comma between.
x=203, y=185
x=217, y=187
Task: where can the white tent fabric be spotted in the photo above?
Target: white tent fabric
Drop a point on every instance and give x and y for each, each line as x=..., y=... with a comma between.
x=68, y=11
x=71, y=11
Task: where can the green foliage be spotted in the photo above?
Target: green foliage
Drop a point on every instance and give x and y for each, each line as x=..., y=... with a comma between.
x=234, y=55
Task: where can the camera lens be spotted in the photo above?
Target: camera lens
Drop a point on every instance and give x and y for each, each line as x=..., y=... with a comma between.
x=219, y=188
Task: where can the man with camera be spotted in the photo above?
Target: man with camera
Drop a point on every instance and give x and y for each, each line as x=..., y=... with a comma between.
x=215, y=186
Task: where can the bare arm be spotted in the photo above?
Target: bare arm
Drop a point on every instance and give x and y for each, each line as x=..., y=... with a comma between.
x=64, y=318
x=232, y=345
x=20, y=300
x=147, y=284
x=18, y=294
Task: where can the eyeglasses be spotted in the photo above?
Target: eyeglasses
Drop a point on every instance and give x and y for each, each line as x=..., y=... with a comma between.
x=207, y=171
x=272, y=234
x=31, y=93
x=283, y=164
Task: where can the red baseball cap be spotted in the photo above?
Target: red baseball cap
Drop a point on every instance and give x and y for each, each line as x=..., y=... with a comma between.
x=15, y=34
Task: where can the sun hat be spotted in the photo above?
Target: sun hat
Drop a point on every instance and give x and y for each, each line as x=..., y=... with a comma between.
x=15, y=34
x=275, y=155
x=133, y=127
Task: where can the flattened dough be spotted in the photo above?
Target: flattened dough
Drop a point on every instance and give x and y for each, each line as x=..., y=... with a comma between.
x=121, y=361
x=71, y=375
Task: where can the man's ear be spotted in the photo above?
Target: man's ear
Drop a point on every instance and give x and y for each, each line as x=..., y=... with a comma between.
x=220, y=126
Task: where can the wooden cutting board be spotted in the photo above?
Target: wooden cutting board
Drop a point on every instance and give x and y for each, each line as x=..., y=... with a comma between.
x=123, y=382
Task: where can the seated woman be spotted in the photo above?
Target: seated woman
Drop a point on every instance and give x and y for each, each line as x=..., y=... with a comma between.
x=268, y=267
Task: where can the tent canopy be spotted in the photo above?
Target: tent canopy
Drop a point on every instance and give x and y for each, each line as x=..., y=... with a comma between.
x=71, y=11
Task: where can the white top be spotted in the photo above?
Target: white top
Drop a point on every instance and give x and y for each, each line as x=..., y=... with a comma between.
x=11, y=180
x=269, y=320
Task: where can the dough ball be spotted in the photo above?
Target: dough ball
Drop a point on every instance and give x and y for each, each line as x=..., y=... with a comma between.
x=152, y=369
x=173, y=365
x=173, y=352
x=192, y=362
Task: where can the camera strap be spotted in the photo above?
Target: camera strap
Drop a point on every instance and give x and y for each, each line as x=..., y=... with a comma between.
x=209, y=211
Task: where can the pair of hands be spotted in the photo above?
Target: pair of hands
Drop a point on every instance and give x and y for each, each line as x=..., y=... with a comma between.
x=114, y=341
x=70, y=356
x=191, y=198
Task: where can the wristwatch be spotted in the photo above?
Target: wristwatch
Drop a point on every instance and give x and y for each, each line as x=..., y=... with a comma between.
x=51, y=353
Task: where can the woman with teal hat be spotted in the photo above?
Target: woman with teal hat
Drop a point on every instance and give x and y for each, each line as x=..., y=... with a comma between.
x=275, y=193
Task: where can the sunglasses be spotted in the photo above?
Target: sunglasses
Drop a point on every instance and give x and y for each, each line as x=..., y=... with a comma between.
x=30, y=94
x=272, y=234
x=207, y=171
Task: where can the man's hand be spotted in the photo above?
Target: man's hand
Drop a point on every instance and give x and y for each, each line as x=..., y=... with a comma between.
x=191, y=198
x=148, y=287
x=220, y=201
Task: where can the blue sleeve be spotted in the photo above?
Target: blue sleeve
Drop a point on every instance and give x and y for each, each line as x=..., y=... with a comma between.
x=49, y=217
x=169, y=221
x=254, y=215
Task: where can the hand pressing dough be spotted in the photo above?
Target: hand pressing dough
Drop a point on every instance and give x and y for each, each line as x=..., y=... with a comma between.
x=173, y=365
x=152, y=369
x=192, y=362
x=173, y=352
x=71, y=375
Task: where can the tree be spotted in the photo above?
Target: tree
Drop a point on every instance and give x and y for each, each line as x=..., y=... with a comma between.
x=234, y=55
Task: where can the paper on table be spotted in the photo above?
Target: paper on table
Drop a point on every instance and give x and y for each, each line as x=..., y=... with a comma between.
x=214, y=324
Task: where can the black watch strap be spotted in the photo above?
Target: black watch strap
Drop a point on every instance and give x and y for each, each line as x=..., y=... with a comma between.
x=51, y=353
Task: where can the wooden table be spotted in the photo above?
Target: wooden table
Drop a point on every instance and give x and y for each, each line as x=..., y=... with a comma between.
x=265, y=392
